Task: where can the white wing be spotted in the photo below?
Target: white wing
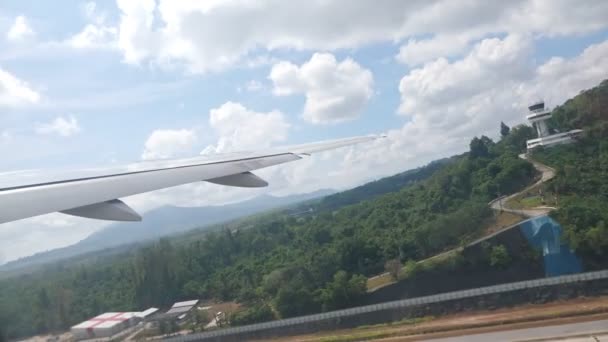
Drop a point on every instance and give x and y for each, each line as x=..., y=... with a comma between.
x=95, y=193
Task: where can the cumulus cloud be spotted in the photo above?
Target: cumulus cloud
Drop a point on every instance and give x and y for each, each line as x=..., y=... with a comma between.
x=97, y=34
x=20, y=30
x=203, y=36
x=418, y=51
x=335, y=91
x=239, y=128
x=445, y=94
x=63, y=126
x=94, y=36
x=15, y=92
x=136, y=37
x=167, y=143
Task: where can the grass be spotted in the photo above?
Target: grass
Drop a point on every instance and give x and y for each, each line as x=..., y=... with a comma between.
x=380, y=280
x=366, y=336
x=531, y=202
x=376, y=334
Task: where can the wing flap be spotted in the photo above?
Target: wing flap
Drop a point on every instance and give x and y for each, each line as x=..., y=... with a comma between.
x=241, y=180
x=114, y=210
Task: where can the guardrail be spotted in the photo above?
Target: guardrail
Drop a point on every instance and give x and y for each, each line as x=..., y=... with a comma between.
x=495, y=289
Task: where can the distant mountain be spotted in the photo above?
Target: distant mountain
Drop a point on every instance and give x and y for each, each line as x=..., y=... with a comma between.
x=163, y=221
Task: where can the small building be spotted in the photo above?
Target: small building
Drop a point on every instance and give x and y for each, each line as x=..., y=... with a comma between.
x=182, y=309
x=105, y=325
x=147, y=314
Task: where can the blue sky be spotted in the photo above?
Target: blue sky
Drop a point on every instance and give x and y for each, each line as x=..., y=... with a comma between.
x=89, y=83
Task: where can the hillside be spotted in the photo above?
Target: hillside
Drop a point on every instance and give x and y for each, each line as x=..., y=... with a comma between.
x=284, y=266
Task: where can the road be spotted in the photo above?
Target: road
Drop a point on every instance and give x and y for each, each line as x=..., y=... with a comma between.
x=500, y=203
x=583, y=331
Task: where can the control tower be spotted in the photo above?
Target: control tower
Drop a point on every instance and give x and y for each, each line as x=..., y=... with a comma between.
x=538, y=117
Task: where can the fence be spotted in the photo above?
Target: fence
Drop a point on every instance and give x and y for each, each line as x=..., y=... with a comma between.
x=399, y=304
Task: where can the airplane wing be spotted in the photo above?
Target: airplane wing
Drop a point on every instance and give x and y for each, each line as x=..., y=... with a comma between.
x=96, y=193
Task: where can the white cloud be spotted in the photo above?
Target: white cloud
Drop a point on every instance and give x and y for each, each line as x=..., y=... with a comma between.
x=203, y=35
x=94, y=36
x=167, y=143
x=20, y=30
x=64, y=127
x=15, y=92
x=335, y=92
x=417, y=51
x=97, y=34
x=136, y=38
x=239, y=128
x=448, y=95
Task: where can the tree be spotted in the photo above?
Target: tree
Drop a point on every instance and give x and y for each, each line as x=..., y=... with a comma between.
x=393, y=267
x=479, y=147
x=504, y=129
x=256, y=314
x=499, y=256
x=293, y=300
x=343, y=291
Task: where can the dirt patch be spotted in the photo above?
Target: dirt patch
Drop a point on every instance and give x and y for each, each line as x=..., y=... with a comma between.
x=528, y=315
x=503, y=219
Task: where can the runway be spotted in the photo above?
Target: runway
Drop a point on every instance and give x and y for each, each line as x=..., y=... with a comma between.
x=595, y=331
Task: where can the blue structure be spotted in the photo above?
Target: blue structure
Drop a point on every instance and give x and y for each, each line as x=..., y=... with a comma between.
x=544, y=234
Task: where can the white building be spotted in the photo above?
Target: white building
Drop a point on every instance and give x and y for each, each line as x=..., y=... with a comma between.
x=105, y=325
x=181, y=308
x=147, y=313
x=538, y=117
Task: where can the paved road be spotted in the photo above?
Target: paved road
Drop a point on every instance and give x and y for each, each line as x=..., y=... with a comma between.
x=547, y=173
x=597, y=329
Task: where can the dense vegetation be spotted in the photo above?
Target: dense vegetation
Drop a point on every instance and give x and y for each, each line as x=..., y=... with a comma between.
x=581, y=185
x=284, y=266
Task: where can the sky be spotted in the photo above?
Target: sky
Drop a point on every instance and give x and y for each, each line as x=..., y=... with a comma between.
x=85, y=83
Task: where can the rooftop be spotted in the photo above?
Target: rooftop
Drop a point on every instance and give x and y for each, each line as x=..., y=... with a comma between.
x=186, y=303
x=106, y=320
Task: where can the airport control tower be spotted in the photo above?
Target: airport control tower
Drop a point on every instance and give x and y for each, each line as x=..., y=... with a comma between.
x=538, y=117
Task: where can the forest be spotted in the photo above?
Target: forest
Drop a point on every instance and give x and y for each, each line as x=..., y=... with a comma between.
x=280, y=265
